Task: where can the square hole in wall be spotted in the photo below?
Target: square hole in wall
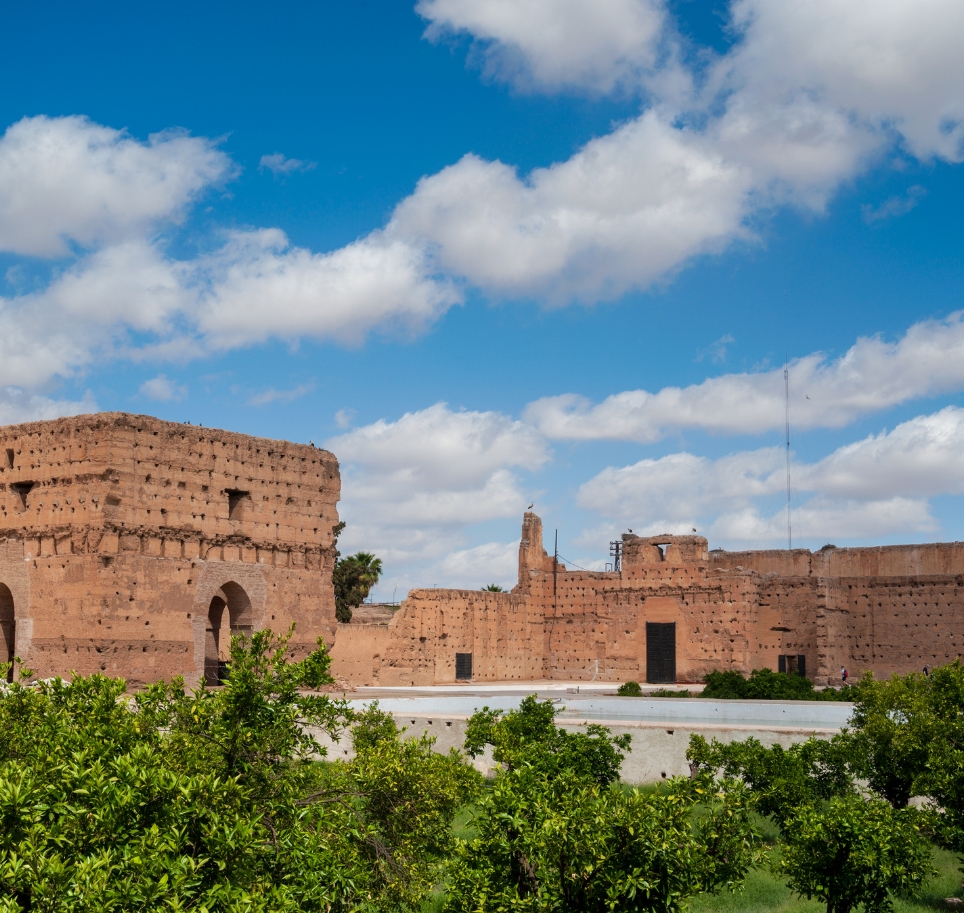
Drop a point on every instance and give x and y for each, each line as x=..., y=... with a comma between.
x=236, y=502
x=21, y=490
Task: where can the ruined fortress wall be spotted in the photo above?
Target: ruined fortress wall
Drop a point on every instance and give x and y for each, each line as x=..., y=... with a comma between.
x=118, y=533
x=418, y=646
x=888, y=609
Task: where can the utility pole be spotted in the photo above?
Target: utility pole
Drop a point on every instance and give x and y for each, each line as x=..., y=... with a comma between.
x=786, y=387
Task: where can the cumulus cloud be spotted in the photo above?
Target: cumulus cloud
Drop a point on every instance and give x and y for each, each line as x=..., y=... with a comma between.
x=624, y=211
x=411, y=487
x=67, y=180
x=475, y=568
x=825, y=393
x=870, y=488
x=549, y=44
x=276, y=163
x=376, y=282
x=809, y=96
x=889, y=65
x=163, y=389
x=18, y=405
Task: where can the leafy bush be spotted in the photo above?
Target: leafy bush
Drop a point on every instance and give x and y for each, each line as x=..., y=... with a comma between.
x=530, y=736
x=629, y=689
x=780, y=779
x=555, y=835
x=856, y=852
x=214, y=799
x=669, y=692
x=762, y=685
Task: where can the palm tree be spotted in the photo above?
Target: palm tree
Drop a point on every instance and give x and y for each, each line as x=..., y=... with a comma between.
x=492, y=588
x=353, y=579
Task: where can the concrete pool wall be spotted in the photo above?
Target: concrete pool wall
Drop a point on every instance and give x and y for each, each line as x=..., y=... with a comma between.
x=660, y=729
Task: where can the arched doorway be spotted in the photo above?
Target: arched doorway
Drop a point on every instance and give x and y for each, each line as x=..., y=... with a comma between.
x=8, y=629
x=229, y=613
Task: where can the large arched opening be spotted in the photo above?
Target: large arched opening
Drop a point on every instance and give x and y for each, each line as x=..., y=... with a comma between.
x=8, y=629
x=229, y=613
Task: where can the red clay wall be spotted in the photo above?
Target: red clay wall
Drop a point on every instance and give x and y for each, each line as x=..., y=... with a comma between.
x=889, y=609
x=127, y=534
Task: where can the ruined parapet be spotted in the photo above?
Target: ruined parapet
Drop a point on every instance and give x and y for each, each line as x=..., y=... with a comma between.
x=666, y=549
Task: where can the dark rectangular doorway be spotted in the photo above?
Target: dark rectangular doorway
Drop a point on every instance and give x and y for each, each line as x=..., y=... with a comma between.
x=660, y=653
x=463, y=667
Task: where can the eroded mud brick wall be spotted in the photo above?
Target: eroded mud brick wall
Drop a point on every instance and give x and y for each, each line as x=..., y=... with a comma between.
x=889, y=609
x=133, y=546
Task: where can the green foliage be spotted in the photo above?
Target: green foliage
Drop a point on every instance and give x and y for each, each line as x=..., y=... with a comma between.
x=492, y=588
x=890, y=733
x=558, y=833
x=942, y=779
x=353, y=578
x=629, y=689
x=856, y=852
x=670, y=692
x=530, y=736
x=762, y=685
x=213, y=800
x=569, y=845
x=780, y=779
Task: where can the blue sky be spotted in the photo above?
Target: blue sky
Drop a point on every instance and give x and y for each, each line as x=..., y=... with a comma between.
x=496, y=252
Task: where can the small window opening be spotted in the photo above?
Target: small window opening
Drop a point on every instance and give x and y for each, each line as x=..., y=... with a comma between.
x=236, y=500
x=792, y=664
x=21, y=490
x=9, y=458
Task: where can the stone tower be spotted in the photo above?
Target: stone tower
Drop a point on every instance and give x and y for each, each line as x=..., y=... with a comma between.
x=133, y=546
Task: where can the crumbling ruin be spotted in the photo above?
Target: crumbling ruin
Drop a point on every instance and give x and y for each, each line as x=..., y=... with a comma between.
x=674, y=611
x=133, y=547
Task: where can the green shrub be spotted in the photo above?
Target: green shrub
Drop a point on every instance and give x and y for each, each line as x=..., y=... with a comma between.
x=762, y=685
x=669, y=692
x=629, y=689
x=213, y=800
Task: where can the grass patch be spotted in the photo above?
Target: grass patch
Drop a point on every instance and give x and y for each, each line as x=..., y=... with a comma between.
x=767, y=891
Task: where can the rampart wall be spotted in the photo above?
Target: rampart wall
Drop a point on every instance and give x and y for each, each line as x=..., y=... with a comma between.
x=888, y=609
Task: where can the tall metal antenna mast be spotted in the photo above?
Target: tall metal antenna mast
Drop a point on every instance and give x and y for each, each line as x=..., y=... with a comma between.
x=786, y=386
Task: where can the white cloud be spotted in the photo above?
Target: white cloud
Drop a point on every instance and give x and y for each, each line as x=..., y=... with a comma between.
x=69, y=181
x=376, y=282
x=276, y=163
x=475, y=568
x=922, y=457
x=894, y=206
x=825, y=393
x=871, y=488
x=556, y=43
x=280, y=396
x=163, y=389
x=344, y=418
x=810, y=96
x=216, y=301
x=621, y=213
x=887, y=64
x=18, y=405
x=412, y=487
